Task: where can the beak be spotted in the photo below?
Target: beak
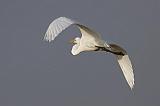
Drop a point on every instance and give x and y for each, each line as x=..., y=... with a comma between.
x=71, y=41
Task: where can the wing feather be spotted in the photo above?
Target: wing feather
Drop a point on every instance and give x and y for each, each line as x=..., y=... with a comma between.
x=127, y=69
x=61, y=23
x=56, y=27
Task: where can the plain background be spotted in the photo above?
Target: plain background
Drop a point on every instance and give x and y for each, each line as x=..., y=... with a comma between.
x=37, y=73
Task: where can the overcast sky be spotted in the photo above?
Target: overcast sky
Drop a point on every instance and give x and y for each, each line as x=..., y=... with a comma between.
x=36, y=73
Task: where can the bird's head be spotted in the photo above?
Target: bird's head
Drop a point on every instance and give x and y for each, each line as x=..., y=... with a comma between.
x=75, y=40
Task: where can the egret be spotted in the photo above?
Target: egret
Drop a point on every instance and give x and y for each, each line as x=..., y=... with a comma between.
x=90, y=40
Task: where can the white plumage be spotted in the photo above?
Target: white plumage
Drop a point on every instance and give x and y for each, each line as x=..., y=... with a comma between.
x=127, y=69
x=91, y=41
x=56, y=27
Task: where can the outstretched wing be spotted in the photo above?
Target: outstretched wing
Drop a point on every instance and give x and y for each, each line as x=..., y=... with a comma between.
x=61, y=23
x=127, y=69
x=56, y=27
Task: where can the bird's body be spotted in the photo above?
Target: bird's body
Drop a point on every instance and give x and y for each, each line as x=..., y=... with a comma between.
x=91, y=41
x=88, y=42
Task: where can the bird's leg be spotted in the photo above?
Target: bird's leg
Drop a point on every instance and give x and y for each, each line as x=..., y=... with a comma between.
x=108, y=50
x=100, y=49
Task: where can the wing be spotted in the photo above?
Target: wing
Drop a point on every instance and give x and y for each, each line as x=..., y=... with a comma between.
x=127, y=69
x=88, y=32
x=56, y=27
x=61, y=23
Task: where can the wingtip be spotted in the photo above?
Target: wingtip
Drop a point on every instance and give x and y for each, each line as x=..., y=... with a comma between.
x=45, y=39
x=132, y=85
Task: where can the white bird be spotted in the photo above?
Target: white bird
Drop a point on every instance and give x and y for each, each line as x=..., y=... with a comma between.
x=91, y=41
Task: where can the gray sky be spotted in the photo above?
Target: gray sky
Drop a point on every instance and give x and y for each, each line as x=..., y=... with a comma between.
x=36, y=73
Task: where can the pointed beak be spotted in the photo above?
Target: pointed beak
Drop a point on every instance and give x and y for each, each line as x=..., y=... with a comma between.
x=71, y=41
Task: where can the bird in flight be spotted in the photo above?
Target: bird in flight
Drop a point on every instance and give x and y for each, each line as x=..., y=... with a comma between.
x=91, y=41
